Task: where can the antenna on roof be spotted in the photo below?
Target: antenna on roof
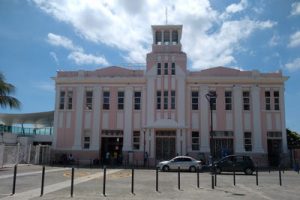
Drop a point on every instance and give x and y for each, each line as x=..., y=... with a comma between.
x=166, y=15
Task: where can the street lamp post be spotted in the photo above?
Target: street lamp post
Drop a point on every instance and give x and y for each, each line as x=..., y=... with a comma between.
x=210, y=97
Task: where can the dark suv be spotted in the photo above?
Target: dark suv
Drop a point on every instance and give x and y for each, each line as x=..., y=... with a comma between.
x=235, y=163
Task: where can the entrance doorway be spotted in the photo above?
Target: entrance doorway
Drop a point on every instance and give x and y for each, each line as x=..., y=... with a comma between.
x=274, y=151
x=165, y=145
x=223, y=147
x=111, y=150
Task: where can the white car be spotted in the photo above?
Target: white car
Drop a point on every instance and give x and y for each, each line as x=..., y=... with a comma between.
x=184, y=162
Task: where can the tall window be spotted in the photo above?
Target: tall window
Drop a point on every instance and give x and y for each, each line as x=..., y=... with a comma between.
x=173, y=72
x=158, y=100
x=86, y=142
x=136, y=140
x=173, y=97
x=268, y=100
x=213, y=99
x=158, y=68
x=158, y=37
x=174, y=37
x=195, y=100
x=165, y=100
x=246, y=100
x=89, y=100
x=248, y=141
x=166, y=37
x=70, y=99
x=276, y=100
x=228, y=100
x=120, y=100
x=166, y=69
x=62, y=100
x=106, y=95
x=137, y=100
x=195, y=140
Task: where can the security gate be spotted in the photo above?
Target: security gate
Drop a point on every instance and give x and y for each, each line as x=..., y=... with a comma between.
x=165, y=145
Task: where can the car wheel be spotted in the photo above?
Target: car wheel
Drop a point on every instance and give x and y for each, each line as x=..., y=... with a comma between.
x=166, y=168
x=192, y=168
x=218, y=170
x=248, y=171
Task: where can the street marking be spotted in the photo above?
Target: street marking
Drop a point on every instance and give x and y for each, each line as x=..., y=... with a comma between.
x=57, y=186
x=33, y=173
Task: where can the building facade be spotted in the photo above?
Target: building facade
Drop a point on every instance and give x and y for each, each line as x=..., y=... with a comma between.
x=149, y=115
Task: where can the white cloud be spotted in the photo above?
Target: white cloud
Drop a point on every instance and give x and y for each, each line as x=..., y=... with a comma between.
x=295, y=8
x=295, y=40
x=53, y=55
x=208, y=39
x=58, y=40
x=234, y=8
x=294, y=65
x=274, y=40
x=45, y=86
x=77, y=53
x=82, y=58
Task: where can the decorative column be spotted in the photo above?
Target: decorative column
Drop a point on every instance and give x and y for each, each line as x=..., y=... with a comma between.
x=257, y=133
x=204, y=116
x=238, y=122
x=79, y=113
x=283, y=126
x=55, y=123
x=128, y=117
x=97, y=90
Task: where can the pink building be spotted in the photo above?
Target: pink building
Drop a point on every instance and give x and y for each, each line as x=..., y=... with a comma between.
x=162, y=111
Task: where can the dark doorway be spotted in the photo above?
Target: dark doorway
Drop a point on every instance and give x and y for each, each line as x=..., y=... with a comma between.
x=274, y=151
x=223, y=147
x=165, y=145
x=111, y=150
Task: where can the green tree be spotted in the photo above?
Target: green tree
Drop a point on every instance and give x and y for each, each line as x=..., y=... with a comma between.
x=5, y=90
x=293, y=139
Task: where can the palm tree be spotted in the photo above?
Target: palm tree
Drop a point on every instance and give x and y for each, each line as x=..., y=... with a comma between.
x=5, y=90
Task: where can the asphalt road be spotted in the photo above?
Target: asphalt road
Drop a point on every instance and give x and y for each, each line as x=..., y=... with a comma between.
x=88, y=184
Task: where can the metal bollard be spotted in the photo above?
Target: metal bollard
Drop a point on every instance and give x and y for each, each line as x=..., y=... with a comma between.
x=212, y=181
x=198, y=183
x=104, y=179
x=156, y=179
x=280, y=182
x=215, y=179
x=178, y=178
x=234, y=175
x=14, y=180
x=256, y=174
x=132, y=180
x=43, y=180
x=72, y=182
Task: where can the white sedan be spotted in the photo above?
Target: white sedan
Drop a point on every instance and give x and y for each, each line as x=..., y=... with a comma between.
x=184, y=162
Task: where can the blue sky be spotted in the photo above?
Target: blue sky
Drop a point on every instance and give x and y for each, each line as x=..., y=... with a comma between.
x=39, y=37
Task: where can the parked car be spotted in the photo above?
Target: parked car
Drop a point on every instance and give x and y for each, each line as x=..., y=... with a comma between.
x=235, y=162
x=184, y=162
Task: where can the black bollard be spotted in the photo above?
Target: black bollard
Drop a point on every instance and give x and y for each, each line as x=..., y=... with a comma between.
x=212, y=181
x=256, y=174
x=104, y=179
x=132, y=180
x=43, y=180
x=14, y=180
x=215, y=178
x=72, y=182
x=178, y=178
x=156, y=179
x=280, y=183
x=234, y=175
x=198, y=183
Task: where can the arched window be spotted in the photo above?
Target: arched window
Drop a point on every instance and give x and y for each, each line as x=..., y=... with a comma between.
x=175, y=37
x=166, y=37
x=158, y=39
